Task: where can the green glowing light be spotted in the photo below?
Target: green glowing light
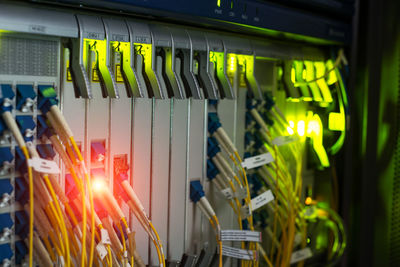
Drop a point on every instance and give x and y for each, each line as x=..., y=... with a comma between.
x=100, y=48
x=332, y=78
x=232, y=62
x=293, y=75
x=310, y=76
x=317, y=140
x=342, y=103
x=301, y=125
x=124, y=48
x=336, y=121
x=298, y=75
x=320, y=72
x=290, y=130
x=218, y=3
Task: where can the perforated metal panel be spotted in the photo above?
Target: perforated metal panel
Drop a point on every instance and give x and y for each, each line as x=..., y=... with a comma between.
x=23, y=56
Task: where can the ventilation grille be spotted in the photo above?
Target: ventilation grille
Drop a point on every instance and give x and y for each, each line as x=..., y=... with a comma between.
x=23, y=56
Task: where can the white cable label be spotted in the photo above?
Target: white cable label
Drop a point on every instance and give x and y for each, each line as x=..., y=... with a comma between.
x=257, y=161
x=101, y=250
x=240, y=235
x=227, y=192
x=284, y=140
x=105, y=238
x=261, y=200
x=239, y=253
x=43, y=165
x=300, y=255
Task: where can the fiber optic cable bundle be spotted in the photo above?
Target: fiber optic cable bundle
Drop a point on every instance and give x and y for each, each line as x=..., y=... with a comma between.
x=293, y=224
x=73, y=228
x=298, y=222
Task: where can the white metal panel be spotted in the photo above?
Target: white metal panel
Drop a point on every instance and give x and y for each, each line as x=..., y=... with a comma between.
x=195, y=172
x=141, y=164
x=178, y=172
x=160, y=171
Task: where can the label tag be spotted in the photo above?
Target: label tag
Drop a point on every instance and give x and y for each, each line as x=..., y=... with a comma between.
x=245, y=211
x=227, y=192
x=284, y=140
x=101, y=249
x=257, y=161
x=125, y=254
x=43, y=165
x=239, y=253
x=240, y=235
x=241, y=193
x=261, y=200
x=105, y=238
x=300, y=255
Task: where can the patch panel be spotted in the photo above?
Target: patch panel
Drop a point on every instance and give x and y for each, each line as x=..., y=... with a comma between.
x=123, y=133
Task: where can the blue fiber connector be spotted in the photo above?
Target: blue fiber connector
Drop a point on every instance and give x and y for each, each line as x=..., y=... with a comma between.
x=24, y=92
x=6, y=93
x=196, y=191
x=212, y=170
x=212, y=147
x=47, y=98
x=213, y=122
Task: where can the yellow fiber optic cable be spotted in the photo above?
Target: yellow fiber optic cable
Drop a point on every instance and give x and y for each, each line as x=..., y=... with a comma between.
x=87, y=177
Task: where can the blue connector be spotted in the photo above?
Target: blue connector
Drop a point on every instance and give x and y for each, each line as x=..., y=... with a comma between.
x=21, y=191
x=212, y=147
x=248, y=139
x=251, y=103
x=21, y=224
x=269, y=102
x=247, y=155
x=26, y=125
x=6, y=93
x=42, y=127
x=20, y=251
x=196, y=191
x=213, y=122
x=5, y=186
x=5, y=221
x=25, y=97
x=5, y=155
x=20, y=160
x=213, y=102
x=212, y=170
x=47, y=98
x=5, y=252
x=46, y=151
